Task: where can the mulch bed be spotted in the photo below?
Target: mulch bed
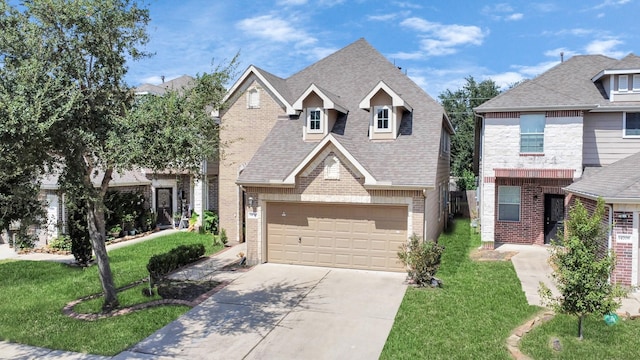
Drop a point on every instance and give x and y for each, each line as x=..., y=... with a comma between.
x=491, y=255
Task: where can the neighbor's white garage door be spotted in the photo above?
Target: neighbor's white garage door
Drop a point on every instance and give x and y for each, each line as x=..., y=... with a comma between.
x=345, y=236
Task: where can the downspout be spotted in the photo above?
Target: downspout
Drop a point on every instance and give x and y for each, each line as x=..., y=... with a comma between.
x=610, y=231
x=424, y=215
x=480, y=194
x=610, y=234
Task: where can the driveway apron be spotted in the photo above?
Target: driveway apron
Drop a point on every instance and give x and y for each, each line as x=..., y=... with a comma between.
x=285, y=312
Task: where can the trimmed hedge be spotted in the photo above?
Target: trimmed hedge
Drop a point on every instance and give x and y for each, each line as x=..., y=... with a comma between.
x=162, y=264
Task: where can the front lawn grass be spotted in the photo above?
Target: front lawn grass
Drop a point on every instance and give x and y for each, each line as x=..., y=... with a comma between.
x=601, y=341
x=470, y=317
x=34, y=293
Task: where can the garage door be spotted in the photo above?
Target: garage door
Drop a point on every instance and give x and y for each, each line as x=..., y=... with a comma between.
x=345, y=236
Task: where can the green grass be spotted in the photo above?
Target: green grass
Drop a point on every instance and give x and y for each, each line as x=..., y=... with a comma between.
x=470, y=317
x=600, y=341
x=126, y=298
x=34, y=293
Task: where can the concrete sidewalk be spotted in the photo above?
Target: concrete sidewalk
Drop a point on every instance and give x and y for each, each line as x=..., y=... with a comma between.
x=8, y=253
x=532, y=266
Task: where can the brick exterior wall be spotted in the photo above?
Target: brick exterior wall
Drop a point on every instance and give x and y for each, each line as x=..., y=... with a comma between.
x=623, y=224
x=313, y=187
x=501, y=150
x=242, y=131
x=530, y=228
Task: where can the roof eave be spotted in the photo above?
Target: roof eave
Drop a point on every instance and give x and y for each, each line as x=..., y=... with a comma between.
x=607, y=199
x=484, y=110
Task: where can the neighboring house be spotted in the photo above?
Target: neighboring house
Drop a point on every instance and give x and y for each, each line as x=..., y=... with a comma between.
x=538, y=138
x=336, y=165
x=203, y=192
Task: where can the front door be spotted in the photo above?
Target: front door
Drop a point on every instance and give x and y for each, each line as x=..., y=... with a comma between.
x=164, y=206
x=553, y=216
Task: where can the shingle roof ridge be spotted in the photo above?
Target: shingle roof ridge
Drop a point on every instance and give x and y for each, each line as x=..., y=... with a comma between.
x=277, y=82
x=630, y=61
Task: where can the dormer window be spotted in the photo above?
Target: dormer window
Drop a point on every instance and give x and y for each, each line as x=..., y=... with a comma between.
x=623, y=83
x=314, y=120
x=381, y=118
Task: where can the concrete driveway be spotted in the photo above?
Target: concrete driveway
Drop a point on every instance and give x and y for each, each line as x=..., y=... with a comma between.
x=285, y=312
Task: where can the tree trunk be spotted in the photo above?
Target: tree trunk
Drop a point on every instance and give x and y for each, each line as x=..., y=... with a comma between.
x=95, y=221
x=580, y=325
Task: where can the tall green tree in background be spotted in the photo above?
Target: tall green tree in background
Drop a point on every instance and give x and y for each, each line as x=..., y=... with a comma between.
x=459, y=105
x=62, y=88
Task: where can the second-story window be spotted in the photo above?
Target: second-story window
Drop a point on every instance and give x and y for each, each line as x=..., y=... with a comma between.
x=314, y=120
x=636, y=83
x=532, y=133
x=623, y=83
x=631, y=124
x=381, y=118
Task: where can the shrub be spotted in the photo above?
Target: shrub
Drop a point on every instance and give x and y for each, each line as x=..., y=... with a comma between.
x=422, y=259
x=119, y=203
x=25, y=238
x=223, y=236
x=79, y=233
x=467, y=181
x=61, y=243
x=210, y=222
x=162, y=264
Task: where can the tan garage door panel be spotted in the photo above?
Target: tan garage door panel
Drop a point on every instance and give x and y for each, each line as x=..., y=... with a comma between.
x=349, y=236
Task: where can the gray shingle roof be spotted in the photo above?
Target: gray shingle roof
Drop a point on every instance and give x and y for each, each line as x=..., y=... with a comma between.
x=629, y=62
x=351, y=73
x=568, y=84
x=620, y=180
x=125, y=178
x=178, y=83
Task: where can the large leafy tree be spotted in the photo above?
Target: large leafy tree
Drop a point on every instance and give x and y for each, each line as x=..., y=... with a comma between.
x=62, y=69
x=459, y=105
x=581, y=269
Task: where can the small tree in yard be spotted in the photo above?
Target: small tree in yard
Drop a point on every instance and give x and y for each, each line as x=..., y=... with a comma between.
x=581, y=271
x=422, y=260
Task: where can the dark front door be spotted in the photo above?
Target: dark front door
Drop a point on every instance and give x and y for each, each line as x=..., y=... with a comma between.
x=164, y=206
x=553, y=216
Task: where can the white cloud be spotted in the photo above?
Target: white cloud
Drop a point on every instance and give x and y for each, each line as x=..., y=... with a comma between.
x=514, y=17
x=389, y=16
x=544, y=7
x=502, y=11
x=505, y=79
x=609, y=3
x=291, y=2
x=404, y=4
x=605, y=47
x=531, y=71
x=439, y=39
x=271, y=28
x=556, y=53
x=407, y=56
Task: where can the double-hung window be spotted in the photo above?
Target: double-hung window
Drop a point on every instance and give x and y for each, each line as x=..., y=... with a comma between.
x=381, y=118
x=623, y=83
x=508, y=203
x=631, y=124
x=532, y=133
x=314, y=119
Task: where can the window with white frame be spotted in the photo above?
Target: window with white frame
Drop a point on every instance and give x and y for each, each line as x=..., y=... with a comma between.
x=314, y=120
x=253, y=99
x=623, y=83
x=532, y=133
x=508, y=203
x=631, y=124
x=636, y=82
x=381, y=116
x=332, y=168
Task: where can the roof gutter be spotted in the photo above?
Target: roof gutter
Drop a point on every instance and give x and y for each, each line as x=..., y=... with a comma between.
x=271, y=183
x=481, y=110
x=610, y=200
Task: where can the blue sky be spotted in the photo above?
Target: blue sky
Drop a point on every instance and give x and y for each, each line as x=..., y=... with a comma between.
x=438, y=43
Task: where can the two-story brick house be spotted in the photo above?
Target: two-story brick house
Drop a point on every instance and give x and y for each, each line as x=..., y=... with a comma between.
x=336, y=165
x=538, y=138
